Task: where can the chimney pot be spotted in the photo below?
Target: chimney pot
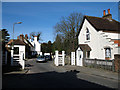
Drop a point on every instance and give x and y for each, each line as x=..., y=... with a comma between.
x=104, y=13
x=26, y=36
x=17, y=37
x=108, y=11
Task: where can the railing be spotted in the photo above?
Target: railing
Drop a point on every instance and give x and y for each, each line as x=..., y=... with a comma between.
x=99, y=63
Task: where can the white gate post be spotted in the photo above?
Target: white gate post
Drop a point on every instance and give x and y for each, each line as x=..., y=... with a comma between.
x=56, y=58
x=22, y=61
x=72, y=58
x=63, y=58
x=12, y=57
x=5, y=57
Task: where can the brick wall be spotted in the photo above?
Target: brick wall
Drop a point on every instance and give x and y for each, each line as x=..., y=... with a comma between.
x=117, y=62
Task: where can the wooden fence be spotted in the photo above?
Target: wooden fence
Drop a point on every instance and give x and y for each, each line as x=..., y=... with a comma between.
x=98, y=63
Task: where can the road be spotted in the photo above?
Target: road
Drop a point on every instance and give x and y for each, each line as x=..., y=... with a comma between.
x=46, y=75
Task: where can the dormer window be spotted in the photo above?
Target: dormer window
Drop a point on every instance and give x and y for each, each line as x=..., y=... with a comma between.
x=87, y=34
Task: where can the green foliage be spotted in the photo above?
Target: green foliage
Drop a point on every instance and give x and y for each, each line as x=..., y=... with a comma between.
x=47, y=47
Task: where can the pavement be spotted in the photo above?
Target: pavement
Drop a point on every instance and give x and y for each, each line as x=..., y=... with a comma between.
x=91, y=71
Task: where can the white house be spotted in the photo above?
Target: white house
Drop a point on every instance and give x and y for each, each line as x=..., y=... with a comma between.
x=17, y=53
x=36, y=46
x=98, y=38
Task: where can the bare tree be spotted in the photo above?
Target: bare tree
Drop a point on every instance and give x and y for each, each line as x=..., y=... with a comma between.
x=68, y=28
x=38, y=34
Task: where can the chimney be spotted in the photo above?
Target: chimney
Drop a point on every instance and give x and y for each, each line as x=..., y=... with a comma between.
x=35, y=38
x=17, y=37
x=30, y=38
x=21, y=36
x=104, y=13
x=26, y=36
x=107, y=16
x=108, y=11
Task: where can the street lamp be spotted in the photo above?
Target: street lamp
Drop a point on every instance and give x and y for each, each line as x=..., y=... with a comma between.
x=13, y=27
x=13, y=31
x=12, y=51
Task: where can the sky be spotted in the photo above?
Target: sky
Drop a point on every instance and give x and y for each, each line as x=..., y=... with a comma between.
x=43, y=16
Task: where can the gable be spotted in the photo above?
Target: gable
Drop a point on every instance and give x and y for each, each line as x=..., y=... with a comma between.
x=101, y=24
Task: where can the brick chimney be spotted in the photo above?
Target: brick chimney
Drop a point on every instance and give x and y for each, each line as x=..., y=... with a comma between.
x=17, y=37
x=21, y=37
x=26, y=36
x=104, y=13
x=107, y=16
x=30, y=39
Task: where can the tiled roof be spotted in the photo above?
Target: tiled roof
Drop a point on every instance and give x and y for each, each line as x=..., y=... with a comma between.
x=17, y=42
x=104, y=24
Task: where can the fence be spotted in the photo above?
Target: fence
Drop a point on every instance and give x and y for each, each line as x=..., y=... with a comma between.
x=59, y=58
x=98, y=63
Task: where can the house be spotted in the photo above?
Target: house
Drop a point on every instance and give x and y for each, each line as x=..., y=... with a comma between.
x=36, y=46
x=20, y=51
x=17, y=48
x=98, y=38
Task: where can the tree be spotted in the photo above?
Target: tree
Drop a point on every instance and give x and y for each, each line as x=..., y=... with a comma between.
x=5, y=38
x=49, y=47
x=67, y=29
x=58, y=43
x=46, y=47
x=38, y=34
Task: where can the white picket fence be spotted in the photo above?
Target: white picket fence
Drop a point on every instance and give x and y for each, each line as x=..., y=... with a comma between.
x=59, y=58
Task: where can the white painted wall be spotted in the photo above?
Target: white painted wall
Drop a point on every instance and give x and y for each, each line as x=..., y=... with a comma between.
x=36, y=46
x=21, y=49
x=97, y=41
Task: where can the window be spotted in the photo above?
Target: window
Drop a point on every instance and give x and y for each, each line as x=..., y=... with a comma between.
x=107, y=52
x=16, y=50
x=87, y=34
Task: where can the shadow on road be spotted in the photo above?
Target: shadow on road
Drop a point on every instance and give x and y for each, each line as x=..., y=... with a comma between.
x=47, y=80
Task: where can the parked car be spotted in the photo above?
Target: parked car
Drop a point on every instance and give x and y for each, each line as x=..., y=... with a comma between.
x=47, y=57
x=40, y=59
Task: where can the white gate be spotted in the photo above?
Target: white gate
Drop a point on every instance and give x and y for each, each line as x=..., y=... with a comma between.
x=59, y=58
x=72, y=58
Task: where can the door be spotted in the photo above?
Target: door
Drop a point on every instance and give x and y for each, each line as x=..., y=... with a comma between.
x=79, y=59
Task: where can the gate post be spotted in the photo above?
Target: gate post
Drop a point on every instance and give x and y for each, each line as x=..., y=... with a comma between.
x=72, y=58
x=56, y=58
x=63, y=58
x=12, y=57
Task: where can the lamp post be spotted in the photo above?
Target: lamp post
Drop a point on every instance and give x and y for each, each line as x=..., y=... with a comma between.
x=13, y=43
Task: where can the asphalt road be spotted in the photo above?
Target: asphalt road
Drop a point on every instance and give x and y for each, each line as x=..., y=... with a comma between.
x=46, y=75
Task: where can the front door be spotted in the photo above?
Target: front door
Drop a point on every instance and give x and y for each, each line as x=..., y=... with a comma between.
x=79, y=60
